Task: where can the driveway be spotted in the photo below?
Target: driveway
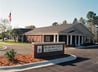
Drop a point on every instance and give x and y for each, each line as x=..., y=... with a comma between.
x=87, y=61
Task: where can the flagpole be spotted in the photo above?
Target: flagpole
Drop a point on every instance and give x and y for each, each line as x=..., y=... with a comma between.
x=10, y=19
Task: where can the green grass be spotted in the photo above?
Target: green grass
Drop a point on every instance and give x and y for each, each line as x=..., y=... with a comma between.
x=13, y=42
x=1, y=46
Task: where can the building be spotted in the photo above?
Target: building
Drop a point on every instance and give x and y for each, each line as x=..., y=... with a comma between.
x=18, y=33
x=71, y=34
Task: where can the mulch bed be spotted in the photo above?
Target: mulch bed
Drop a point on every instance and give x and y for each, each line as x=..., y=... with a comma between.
x=19, y=59
x=24, y=59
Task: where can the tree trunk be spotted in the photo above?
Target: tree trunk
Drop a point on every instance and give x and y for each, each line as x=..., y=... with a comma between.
x=2, y=36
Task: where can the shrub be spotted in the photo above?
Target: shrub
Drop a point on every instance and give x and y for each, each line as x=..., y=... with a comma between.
x=87, y=44
x=11, y=54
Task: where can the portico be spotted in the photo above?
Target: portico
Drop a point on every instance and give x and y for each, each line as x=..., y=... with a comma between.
x=75, y=40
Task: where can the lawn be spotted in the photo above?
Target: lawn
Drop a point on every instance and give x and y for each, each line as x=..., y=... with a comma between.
x=1, y=46
x=13, y=42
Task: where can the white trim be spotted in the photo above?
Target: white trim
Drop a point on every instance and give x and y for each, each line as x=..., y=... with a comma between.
x=70, y=39
x=67, y=39
x=78, y=40
x=57, y=38
x=82, y=40
x=54, y=39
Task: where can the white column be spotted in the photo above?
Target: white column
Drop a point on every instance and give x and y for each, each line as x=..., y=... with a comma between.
x=57, y=38
x=70, y=39
x=54, y=38
x=67, y=39
x=82, y=40
x=78, y=40
x=75, y=40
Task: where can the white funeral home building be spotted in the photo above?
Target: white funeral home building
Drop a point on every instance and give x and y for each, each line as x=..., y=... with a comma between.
x=71, y=34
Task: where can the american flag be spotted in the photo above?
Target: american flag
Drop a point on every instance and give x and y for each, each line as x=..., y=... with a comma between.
x=10, y=19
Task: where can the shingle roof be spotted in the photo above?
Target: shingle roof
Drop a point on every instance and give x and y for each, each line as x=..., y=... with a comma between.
x=62, y=29
x=50, y=29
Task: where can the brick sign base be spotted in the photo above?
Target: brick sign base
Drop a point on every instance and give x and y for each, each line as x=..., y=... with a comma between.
x=47, y=49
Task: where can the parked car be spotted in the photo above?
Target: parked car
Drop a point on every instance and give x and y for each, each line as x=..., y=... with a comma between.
x=5, y=38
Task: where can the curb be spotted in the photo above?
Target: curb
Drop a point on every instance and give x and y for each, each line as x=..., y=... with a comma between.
x=4, y=48
x=36, y=64
x=88, y=46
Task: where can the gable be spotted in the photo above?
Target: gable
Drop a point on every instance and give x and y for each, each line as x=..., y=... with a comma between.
x=83, y=30
x=71, y=30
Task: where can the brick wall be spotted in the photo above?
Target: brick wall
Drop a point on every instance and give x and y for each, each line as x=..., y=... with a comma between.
x=34, y=38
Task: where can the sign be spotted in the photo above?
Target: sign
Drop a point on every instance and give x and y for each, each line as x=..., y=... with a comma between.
x=52, y=48
x=39, y=49
x=47, y=49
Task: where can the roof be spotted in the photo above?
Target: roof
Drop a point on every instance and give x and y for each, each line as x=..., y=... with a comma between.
x=63, y=29
x=22, y=30
x=49, y=29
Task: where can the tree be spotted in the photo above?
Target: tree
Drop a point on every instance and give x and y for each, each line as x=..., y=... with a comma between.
x=92, y=21
x=30, y=27
x=75, y=21
x=64, y=22
x=81, y=20
x=54, y=24
x=15, y=33
x=92, y=18
x=91, y=15
x=4, y=26
x=95, y=20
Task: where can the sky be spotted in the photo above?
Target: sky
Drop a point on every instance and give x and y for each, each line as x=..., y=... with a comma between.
x=44, y=12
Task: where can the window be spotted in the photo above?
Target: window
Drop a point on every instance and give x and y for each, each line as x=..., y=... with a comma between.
x=47, y=38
